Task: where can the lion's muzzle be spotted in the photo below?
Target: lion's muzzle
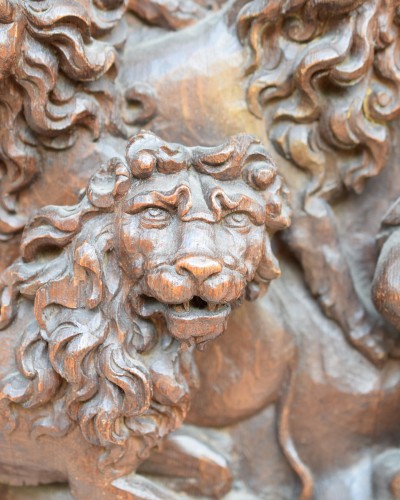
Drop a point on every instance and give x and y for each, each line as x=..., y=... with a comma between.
x=195, y=297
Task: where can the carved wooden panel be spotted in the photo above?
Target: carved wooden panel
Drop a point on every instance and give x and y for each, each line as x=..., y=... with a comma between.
x=149, y=152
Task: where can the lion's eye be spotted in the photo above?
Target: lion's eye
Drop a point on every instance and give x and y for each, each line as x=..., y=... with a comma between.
x=155, y=216
x=237, y=219
x=156, y=213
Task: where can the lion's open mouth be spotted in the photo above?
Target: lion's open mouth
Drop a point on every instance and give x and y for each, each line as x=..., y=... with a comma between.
x=197, y=306
x=193, y=321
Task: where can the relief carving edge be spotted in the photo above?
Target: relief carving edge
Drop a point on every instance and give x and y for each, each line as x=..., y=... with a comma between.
x=101, y=313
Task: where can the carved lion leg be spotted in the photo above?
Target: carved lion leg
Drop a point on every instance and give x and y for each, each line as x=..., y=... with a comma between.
x=193, y=465
x=87, y=481
x=82, y=490
x=132, y=487
x=316, y=242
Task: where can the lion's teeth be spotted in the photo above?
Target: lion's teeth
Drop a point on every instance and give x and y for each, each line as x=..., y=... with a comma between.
x=212, y=307
x=186, y=306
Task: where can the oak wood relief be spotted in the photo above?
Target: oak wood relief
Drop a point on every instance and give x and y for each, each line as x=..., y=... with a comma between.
x=130, y=273
x=111, y=295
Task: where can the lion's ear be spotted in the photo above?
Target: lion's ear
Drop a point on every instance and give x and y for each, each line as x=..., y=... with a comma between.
x=86, y=257
x=84, y=289
x=268, y=270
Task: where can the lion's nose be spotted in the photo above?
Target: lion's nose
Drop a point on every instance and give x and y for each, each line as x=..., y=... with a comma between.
x=200, y=267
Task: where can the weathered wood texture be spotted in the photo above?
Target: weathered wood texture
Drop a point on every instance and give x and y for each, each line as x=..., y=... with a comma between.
x=122, y=264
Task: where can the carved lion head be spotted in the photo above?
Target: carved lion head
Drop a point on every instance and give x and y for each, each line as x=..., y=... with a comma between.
x=151, y=261
x=194, y=230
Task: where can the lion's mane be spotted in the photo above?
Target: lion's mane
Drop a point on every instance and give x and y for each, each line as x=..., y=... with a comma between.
x=325, y=75
x=55, y=74
x=86, y=357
